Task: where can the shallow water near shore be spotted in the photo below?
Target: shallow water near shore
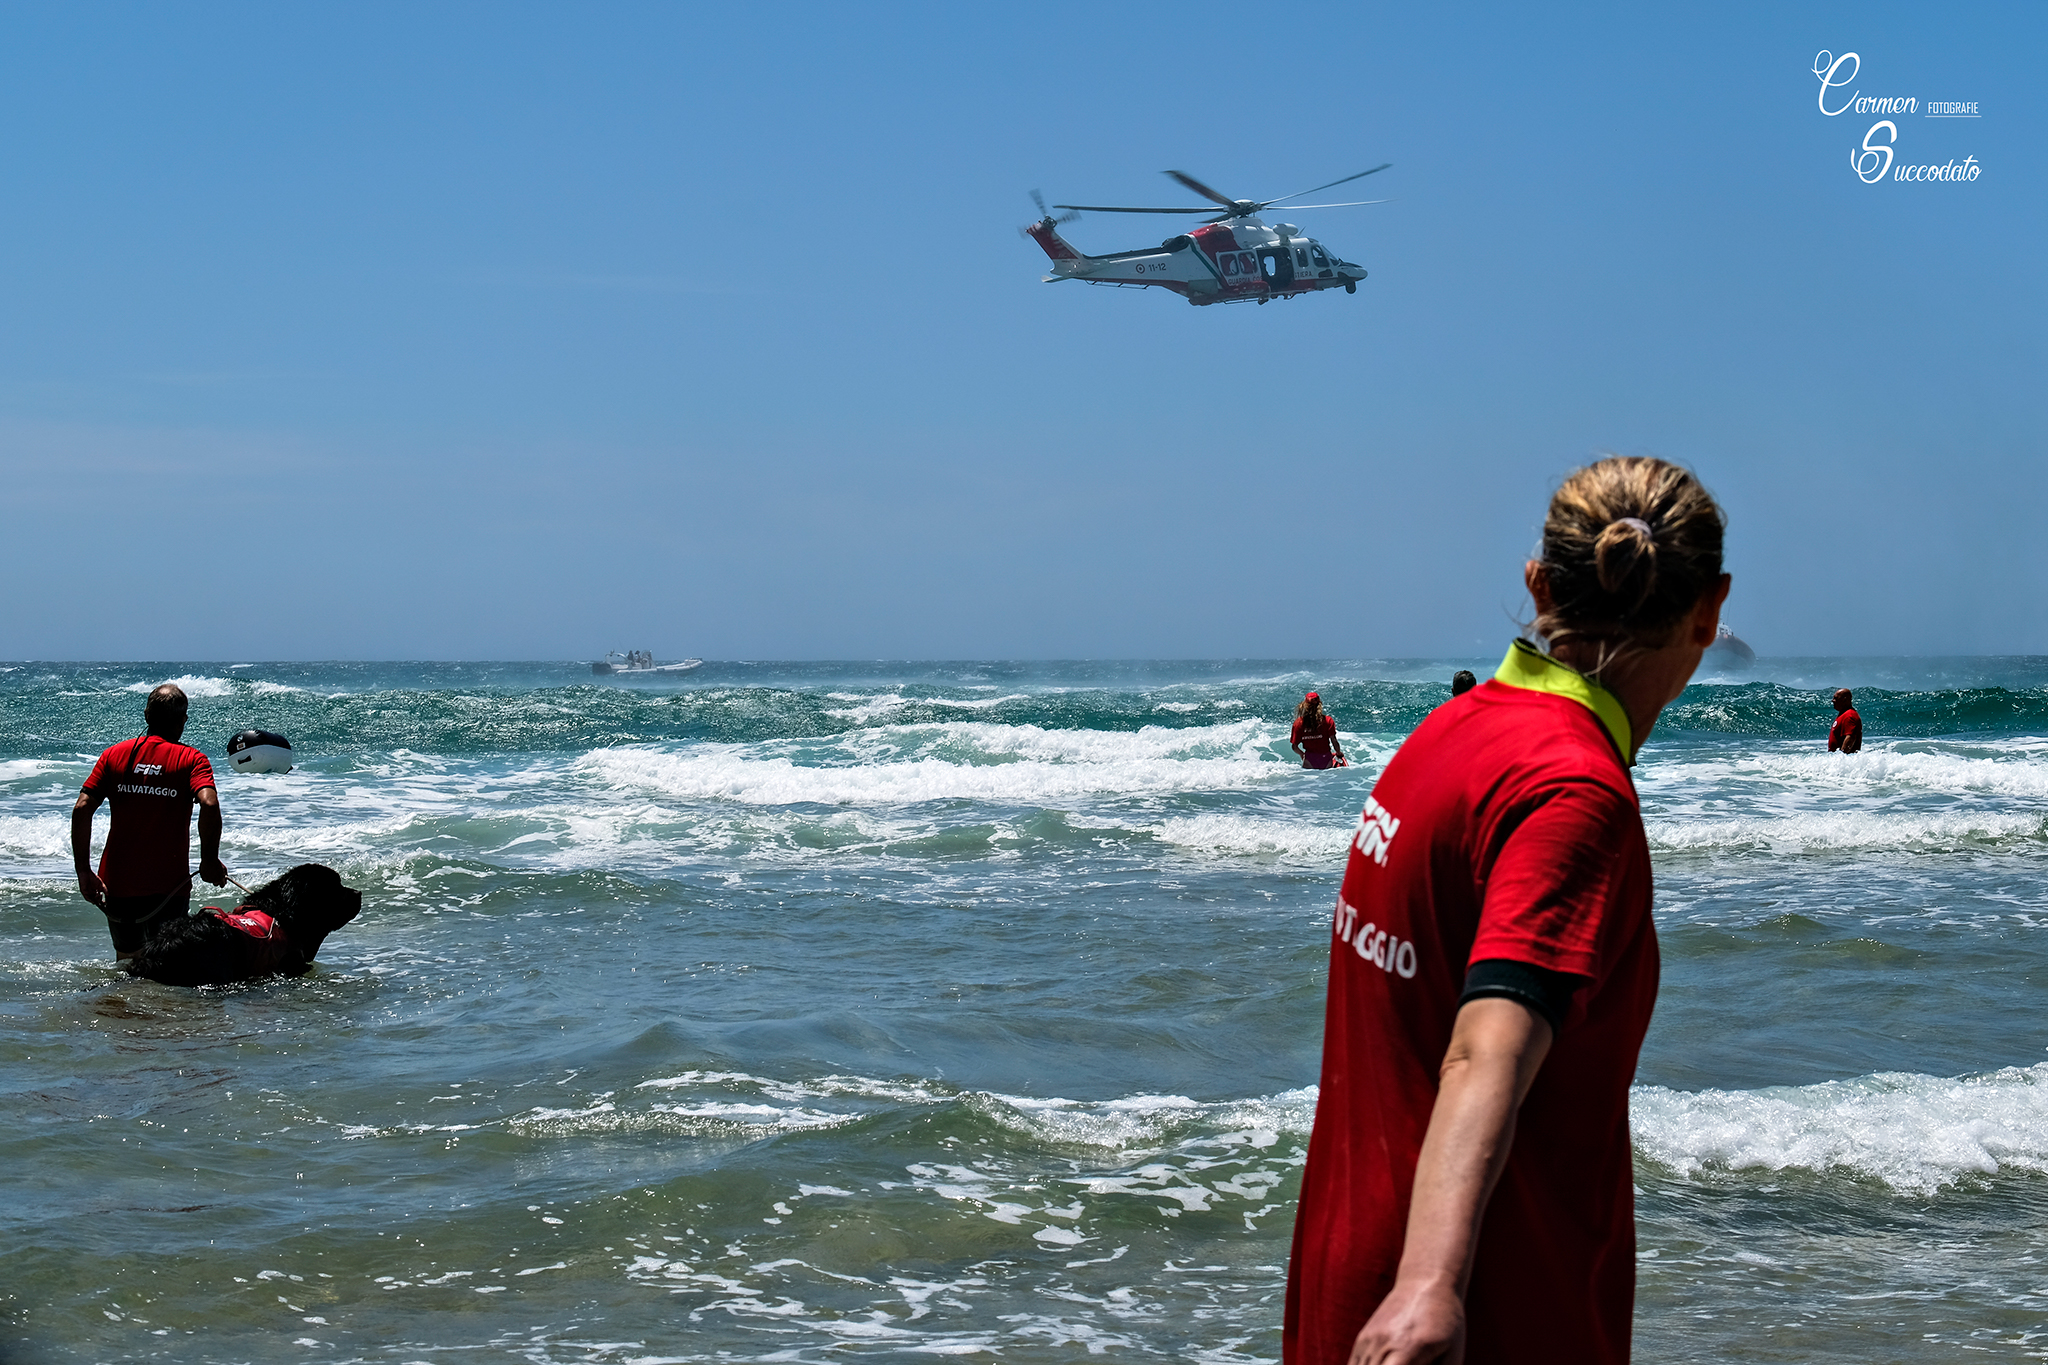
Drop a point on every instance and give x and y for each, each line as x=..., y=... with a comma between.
x=832, y=1011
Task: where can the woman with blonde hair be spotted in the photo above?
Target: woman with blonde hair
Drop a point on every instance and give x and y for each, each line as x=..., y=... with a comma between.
x=1315, y=735
x=1493, y=967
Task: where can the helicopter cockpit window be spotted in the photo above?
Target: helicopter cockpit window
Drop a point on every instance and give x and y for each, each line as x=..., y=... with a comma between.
x=1321, y=261
x=1301, y=257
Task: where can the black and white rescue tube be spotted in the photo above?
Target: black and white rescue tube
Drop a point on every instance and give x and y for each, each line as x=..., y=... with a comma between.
x=260, y=751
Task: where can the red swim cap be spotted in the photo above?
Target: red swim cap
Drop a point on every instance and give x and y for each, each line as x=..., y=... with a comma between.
x=1311, y=697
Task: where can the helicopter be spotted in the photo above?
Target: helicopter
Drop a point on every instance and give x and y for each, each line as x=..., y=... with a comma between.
x=1232, y=258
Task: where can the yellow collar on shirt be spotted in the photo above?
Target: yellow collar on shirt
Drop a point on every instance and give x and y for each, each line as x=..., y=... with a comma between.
x=1528, y=667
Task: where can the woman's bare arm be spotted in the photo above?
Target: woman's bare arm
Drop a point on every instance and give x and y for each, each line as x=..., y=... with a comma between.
x=1496, y=1047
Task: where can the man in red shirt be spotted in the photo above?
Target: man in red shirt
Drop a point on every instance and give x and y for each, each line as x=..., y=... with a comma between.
x=152, y=782
x=1847, y=734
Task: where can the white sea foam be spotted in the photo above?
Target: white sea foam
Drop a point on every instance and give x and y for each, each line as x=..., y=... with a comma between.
x=269, y=689
x=728, y=1104
x=318, y=837
x=978, y=703
x=1995, y=769
x=712, y=1119
x=866, y=708
x=1819, y=831
x=779, y=782
x=191, y=685
x=1169, y=1153
x=33, y=839
x=25, y=769
x=1916, y=1134
x=869, y=707
x=898, y=765
x=792, y=1092
x=1153, y=1121
x=1306, y=836
x=1922, y=796
x=740, y=1104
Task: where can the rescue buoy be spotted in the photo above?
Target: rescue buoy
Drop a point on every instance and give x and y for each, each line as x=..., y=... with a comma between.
x=260, y=751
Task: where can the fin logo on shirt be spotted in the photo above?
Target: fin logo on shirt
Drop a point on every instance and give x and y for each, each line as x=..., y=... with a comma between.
x=1376, y=945
x=150, y=769
x=1376, y=830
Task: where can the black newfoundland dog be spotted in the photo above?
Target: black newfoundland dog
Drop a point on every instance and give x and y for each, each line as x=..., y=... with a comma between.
x=273, y=933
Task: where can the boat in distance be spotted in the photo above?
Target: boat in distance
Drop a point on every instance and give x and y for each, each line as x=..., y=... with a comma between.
x=638, y=661
x=1729, y=652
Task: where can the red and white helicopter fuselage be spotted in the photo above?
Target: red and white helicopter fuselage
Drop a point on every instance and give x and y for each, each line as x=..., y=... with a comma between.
x=1234, y=257
x=1237, y=260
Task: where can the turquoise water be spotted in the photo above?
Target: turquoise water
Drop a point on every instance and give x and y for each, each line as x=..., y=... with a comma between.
x=813, y=1012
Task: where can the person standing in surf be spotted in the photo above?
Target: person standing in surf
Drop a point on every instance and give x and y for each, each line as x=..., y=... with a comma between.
x=1846, y=734
x=1468, y=1193
x=1315, y=735
x=152, y=782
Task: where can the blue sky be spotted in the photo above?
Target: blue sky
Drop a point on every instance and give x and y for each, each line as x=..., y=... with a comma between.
x=531, y=331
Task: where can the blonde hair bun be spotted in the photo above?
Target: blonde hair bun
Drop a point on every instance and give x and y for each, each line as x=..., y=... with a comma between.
x=1629, y=546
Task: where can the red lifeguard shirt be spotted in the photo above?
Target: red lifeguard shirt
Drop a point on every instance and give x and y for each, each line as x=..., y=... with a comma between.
x=1505, y=827
x=150, y=784
x=1847, y=732
x=1317, y=740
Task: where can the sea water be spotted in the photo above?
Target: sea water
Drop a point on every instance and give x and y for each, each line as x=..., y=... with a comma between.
x=819, y=1012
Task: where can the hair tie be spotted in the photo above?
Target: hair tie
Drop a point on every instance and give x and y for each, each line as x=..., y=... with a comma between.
x=1639, y=524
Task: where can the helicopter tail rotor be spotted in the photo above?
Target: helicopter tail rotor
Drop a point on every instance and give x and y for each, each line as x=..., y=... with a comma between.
x=1046, y=232
x=1044, y=212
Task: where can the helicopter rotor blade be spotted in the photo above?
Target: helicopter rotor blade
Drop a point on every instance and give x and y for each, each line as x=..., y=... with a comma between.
x=1296, y=208
x=1199, y=188
x=1346, y=180
x=1104, y=208
x=1039, y=200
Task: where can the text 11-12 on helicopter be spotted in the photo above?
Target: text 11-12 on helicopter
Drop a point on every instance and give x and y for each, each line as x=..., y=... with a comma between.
x=1232, y=258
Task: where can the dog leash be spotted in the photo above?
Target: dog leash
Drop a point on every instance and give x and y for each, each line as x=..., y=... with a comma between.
x=188, y=884
x=182, y=888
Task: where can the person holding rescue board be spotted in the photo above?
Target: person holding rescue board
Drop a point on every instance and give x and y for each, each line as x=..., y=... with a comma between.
x=1468, y=1192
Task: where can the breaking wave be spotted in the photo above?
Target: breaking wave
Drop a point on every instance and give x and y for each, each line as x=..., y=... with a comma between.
x=1850, y=831
x=966, y=760
x=191, y=685
x=1915, y=1134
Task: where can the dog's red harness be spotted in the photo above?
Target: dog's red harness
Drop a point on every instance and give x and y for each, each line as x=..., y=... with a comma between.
x=254, y=923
